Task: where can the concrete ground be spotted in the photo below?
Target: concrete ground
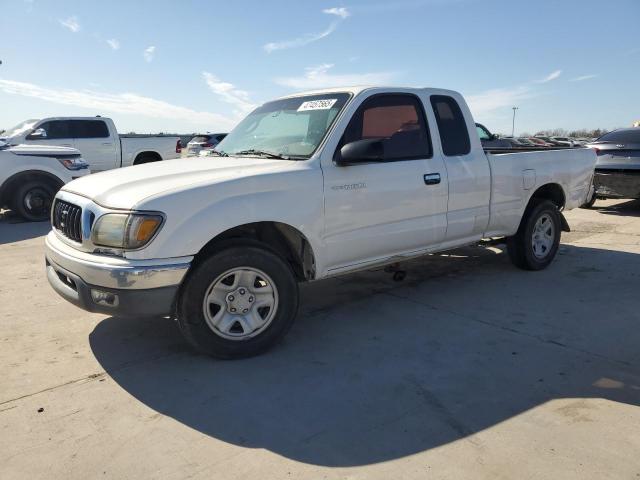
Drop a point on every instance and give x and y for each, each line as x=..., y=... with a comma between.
x=467, y=369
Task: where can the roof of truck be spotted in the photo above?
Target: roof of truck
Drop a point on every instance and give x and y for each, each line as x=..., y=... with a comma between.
x=361, y=88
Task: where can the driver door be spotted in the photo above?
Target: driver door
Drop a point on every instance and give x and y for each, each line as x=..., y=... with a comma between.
x=57, y=132
x=394, y=206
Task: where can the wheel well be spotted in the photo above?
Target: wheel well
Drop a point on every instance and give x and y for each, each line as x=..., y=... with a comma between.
x=282, y=239
x=552, y=192
x=147, y=157
x=8, y=188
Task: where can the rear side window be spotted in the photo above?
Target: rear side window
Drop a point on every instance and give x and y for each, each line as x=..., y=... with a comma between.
x=396, y=119
x=57, y=129
x=90, y=129
x=622, y=136
x=453, y=129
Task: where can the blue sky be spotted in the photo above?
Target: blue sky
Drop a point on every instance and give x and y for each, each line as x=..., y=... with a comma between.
x=200, y=66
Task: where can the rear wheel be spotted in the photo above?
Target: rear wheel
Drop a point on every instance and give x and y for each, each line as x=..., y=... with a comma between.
x=536, y=243
x=32, y=200
x=238, y=302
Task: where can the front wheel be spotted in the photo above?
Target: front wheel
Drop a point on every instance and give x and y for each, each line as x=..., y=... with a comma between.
x=32, y=201
x=238, y=302
x=536, y=243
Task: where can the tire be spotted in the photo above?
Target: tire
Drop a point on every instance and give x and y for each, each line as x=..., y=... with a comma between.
x=32, y=200
x=524, y=250
x=211, y=327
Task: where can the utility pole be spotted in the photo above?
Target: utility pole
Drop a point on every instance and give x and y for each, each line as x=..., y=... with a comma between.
x=513, y=124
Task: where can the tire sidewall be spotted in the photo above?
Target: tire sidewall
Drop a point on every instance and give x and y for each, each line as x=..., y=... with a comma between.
x=549, y=208
x=190, y=313
x=19, y=202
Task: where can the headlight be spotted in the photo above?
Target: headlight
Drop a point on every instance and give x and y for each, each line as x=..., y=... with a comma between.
x=122, y=230
x=73, y=163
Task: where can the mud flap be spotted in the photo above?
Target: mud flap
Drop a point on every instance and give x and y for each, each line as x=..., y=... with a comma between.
x=564, y=223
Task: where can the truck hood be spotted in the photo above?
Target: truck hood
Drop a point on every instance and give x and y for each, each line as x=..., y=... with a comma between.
x=127, y=187
x=47, y=150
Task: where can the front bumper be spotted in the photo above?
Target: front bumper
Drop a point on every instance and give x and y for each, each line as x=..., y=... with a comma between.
x=114, y=285
x=617, y=184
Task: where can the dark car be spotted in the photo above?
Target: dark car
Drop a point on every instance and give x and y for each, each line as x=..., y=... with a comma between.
x=489, y=140
x=617, y=172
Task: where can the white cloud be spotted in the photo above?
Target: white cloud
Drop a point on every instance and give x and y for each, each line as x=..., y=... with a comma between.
x=319, y=77
x=229, y=94
x=340, y=12
x=126, y=103
x=148, y=53
x=114, y=44
x=583, y=78
x=551, y=76
x=487, y=102
x=71, y=23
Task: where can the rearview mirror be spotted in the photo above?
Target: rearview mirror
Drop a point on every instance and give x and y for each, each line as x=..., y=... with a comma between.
x=360, y=151
x=37, y=134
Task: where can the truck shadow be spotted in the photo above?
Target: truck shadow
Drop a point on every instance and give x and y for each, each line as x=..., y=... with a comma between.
x=375, y=370
x=630, y=208
x=14, y=229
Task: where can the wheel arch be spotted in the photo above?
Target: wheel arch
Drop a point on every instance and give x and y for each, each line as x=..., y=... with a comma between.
x=13, y=182
x=554, y=193
x=146, y=153
x=549, y=191
x=286, y=241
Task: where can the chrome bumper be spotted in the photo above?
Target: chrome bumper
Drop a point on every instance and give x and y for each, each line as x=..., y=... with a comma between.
x=113, y=285
x=113, y=272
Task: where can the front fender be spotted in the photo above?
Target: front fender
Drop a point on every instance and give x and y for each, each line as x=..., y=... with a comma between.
x=197, y=215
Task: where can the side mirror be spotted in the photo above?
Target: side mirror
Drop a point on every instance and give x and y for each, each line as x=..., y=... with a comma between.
x=361, y=151
x=37, y=134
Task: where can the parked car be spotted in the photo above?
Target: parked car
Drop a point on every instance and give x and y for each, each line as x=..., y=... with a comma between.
x=564, y=141
x=489, y=140
x=98, y=140
x=305, y=187
x=617, y=172
x=550, y=140
x=31, y=175
x=200, y=142
x=539, y=142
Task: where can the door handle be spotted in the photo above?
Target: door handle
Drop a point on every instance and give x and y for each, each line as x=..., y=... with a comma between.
x=107, y=144
x=66, y=145
x=431, y=178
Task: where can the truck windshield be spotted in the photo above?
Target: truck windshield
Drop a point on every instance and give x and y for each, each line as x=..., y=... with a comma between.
x=20, y=128
x=291, y=128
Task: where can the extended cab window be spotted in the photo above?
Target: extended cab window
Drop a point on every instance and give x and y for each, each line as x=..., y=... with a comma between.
x=55, y=129
x=454, y=135
x=90, y=129
x=398, y=120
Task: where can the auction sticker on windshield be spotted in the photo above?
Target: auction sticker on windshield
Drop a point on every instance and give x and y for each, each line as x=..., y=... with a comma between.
x=317, y=104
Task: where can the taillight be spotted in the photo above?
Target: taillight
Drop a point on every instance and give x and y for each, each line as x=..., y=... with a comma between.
x=179, y=146
x=597, y=150
x=207, y=145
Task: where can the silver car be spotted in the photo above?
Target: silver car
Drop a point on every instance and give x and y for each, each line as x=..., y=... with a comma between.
x=200, y=142
x=617, y=172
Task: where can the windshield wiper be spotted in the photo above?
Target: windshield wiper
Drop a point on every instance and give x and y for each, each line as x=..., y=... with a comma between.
x=261, y=153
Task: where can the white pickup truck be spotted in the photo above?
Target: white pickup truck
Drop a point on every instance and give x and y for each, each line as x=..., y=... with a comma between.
x=31, y=175
x=305, y=187
x=97, y=139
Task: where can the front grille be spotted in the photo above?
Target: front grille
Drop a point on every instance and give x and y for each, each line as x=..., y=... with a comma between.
x=66, y=219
